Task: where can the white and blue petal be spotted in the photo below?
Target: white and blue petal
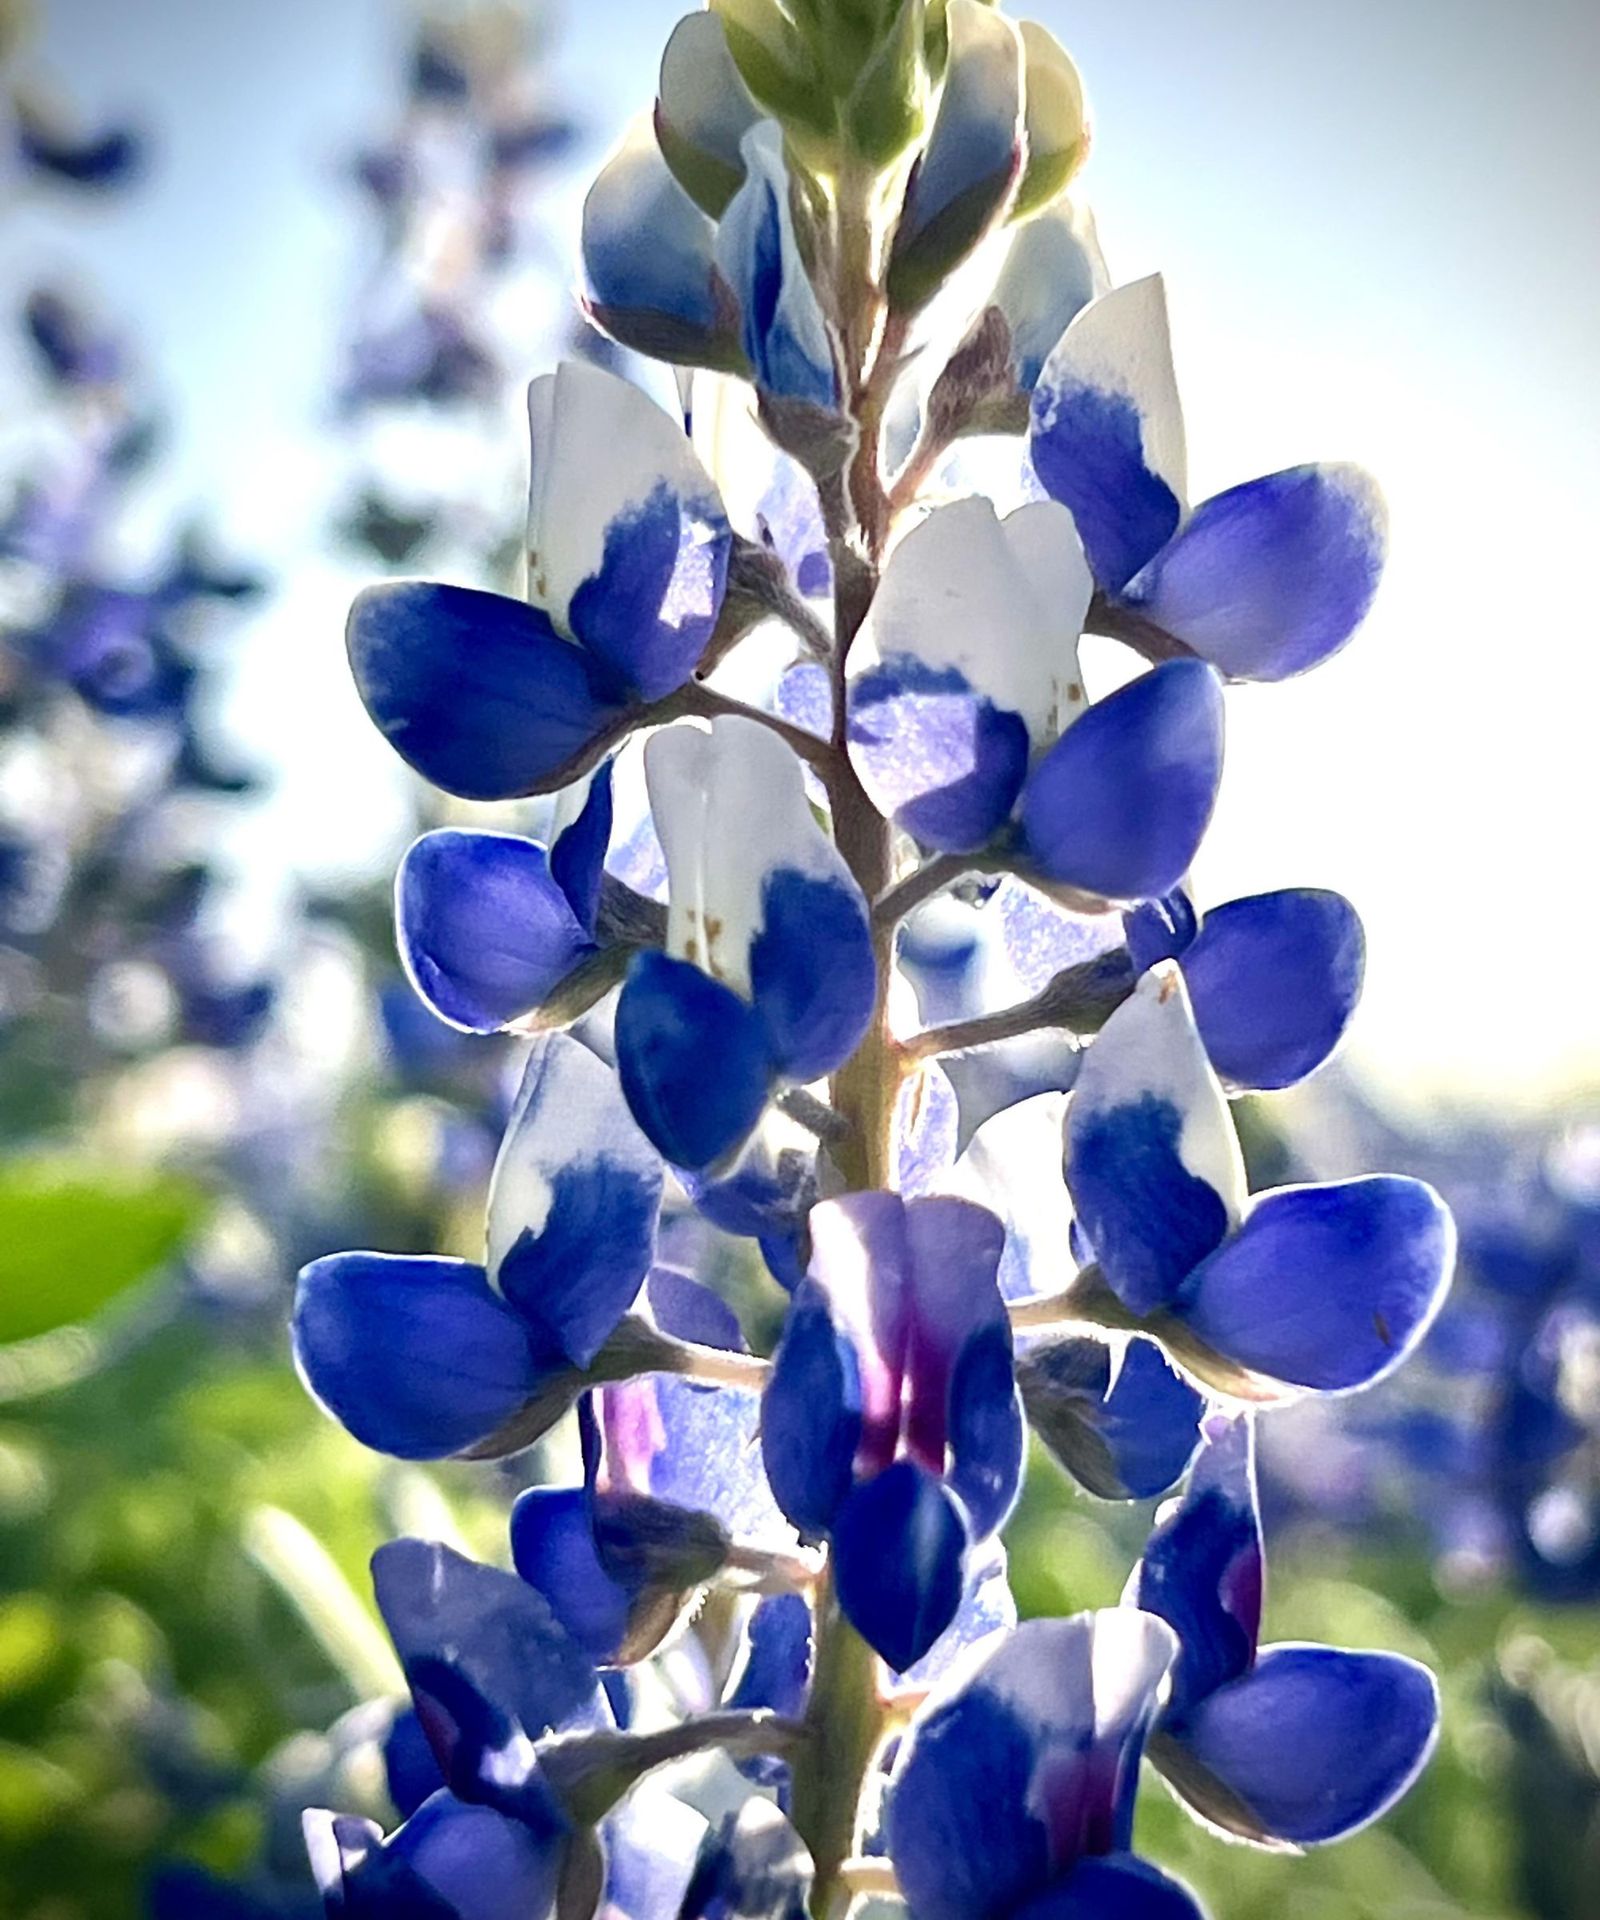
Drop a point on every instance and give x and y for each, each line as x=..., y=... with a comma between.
x=966, y=175
x=1107, y=437
x=628, y=542
x=573, y=1202
x=476, y=691
x=1053, y=269
x=1203, y=1570
x=1027, y=1768
x=770, y=910
x=693, y=1059
x=1274, y=979
x=416, y=1356
x=1312, y=1745
x=647, y=259
x=1122, y=801
x=1153, y=1162
x=484, y=930
x=1120, y=1419
x=967, y=667
x=783, y=330
x=1326, y=1288
x=1270, y=578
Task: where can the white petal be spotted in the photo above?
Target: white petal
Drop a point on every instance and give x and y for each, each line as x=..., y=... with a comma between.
x=601, y=448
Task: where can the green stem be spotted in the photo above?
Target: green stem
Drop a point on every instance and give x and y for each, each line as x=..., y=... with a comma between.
x=844, y=1724
x=845, y=1720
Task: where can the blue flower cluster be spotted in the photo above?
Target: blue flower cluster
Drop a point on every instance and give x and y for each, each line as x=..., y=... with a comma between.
x=110, y=937
x=793, y=677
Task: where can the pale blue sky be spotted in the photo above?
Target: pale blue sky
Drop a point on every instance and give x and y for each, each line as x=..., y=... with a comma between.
x=1377, y=224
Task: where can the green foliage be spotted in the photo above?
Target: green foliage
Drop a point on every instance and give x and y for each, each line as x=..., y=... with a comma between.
x=73, y=1238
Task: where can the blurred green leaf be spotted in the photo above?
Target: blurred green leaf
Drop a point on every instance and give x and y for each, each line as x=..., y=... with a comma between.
x=72, y=1238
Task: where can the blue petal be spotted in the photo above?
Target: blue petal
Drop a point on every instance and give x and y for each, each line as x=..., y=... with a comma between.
x=450, y=1861
x=1274, y=980
x=553, y=1548
x=1153, y=1162
x=1121, y=802
x=1202, y=1569
x=1042, y=939
x=1124, y=1438
x=685, y=1443
x=811, y=1414
x=987, y=1433
x=417, y=1357
x=573, y=1202
x=766, y=1198
x=936, y=754
x=476, y=691
x=485, y=932
x=778, y=1667
x=409, y=1769
x=1327, y=1288
x=1005, y=1785
x=1309, y=1747
x=689, y=1310
x=1158, y=930
x=490, y=1668
x=1117, y=1886
x=1107, y=434
x=578, y=853
x=1269, y=579
x=899, y=1561
x=987, y=1610
x=812, y=972
x=693, y=1060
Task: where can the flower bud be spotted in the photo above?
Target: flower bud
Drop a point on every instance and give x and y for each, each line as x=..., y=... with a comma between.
x=1054, y=121
x=966, y=175
x=647, y=257
x=887, y=106
x=778, y=66
x=703, y=110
